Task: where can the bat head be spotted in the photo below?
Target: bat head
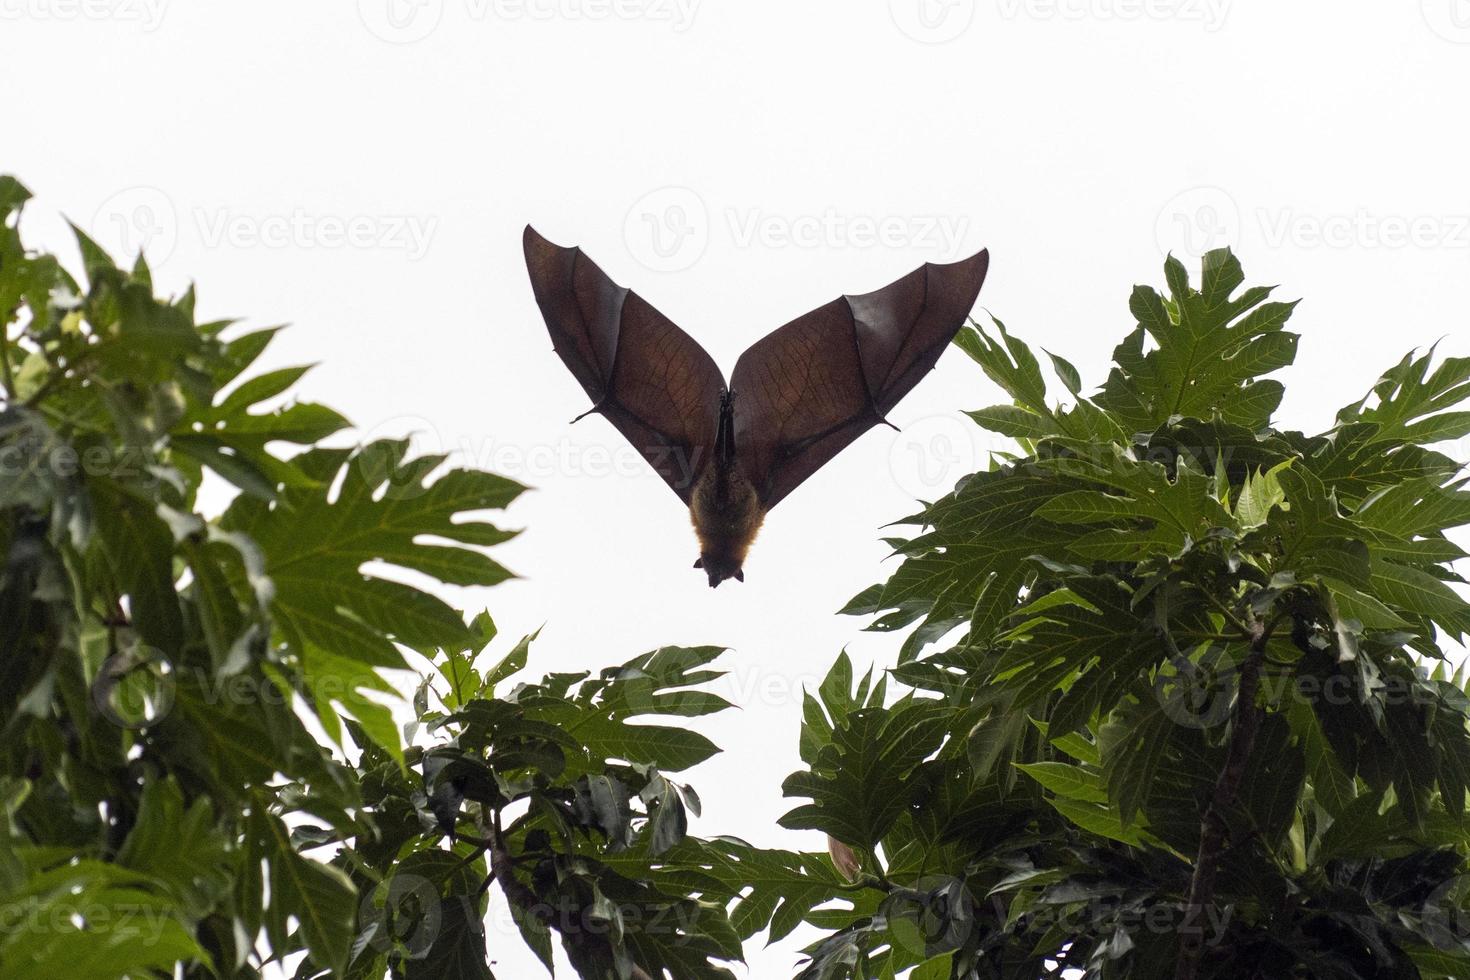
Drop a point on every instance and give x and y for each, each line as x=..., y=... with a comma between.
x=719, y=568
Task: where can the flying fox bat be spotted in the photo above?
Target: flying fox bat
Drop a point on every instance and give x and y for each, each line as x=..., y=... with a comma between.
x=796, y=398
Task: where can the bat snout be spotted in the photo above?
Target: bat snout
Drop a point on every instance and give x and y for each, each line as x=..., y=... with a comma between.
x=718, y=570
x=715, y=579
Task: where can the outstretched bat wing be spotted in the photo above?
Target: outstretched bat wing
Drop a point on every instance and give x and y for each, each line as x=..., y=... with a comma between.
x=651, y=379
x=807, y=390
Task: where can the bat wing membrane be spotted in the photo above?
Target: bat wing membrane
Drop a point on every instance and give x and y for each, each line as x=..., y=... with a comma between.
x=808, y=389
x=653, y=381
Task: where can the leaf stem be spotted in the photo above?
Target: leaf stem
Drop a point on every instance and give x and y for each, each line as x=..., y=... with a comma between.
x=1246, y=631
x=5, y=365
x=869, y=881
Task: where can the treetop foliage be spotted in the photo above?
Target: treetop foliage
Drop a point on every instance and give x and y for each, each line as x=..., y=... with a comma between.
x=1173, y=698
x=1190, y=653
x=164, y=674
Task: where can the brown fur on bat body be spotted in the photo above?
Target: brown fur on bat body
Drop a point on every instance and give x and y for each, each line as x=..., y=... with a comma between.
x=725, y=508
x=796, y=397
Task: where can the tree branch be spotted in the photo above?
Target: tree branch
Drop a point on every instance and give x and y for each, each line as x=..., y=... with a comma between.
x=1214, y=832
x=502, y=870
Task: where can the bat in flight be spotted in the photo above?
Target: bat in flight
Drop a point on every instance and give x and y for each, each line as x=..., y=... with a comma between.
x=796, y=398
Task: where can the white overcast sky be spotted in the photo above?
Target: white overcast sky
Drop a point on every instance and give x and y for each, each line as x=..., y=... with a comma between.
x=363, y=170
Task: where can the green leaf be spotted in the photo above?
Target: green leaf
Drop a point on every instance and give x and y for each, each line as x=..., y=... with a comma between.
x=139, y=549
x=1089, y=628
x=1135, y=745
x=1068, y=782
x=1407, y=398
x=319, y=896
x=1009, y=363
x=671, y=749
x=458, y=948
x=1419, y=592
x=1331, y=787
x=315, y=545
x=1070, y=379
x=1211, y=349
x=1435, y=964
x=1273, y=781
x=259, y=388
x=89, y=915
x=1159, y=513
x=1261, y=494
x=860, y=784
x=1014, y=421
x=181, y=846
x=959, y=573
x=1100, y=820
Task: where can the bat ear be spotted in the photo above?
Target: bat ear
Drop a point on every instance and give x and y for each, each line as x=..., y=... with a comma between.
x=699, y=562
x=740, y=575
